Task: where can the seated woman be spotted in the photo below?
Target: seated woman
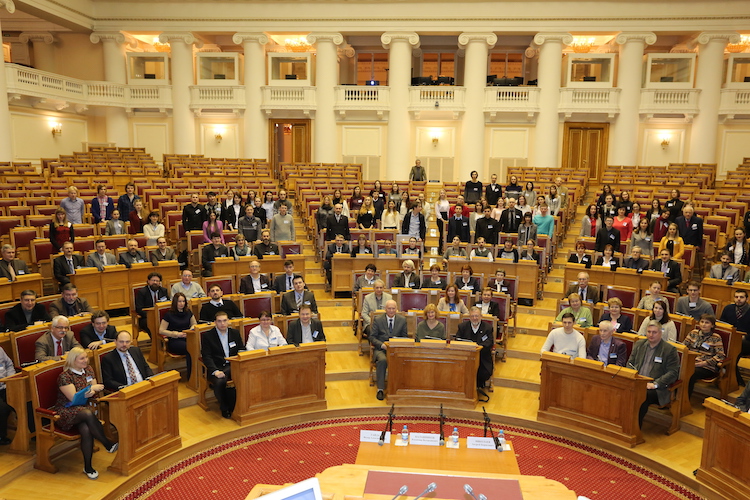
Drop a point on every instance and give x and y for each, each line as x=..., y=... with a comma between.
x=265, y=335
x=507, y=252
x=466, y=281
x=408, y=278
x=434, y=280
x=651, y=296
x=673, y=242
x=738, y=247
x=581, y=257
x=660, y=314
x=710, y=349
x=361, y=247
x=452, y=302
x=620, y=322
x=581, y=314
x=430, y=327
x=174, y=325
x=240, y=248
x=482, y=251
x=455, y=250
x=412, y=249
x=76, y=376
x=387, y=248
x=528, y=252
x=498, y=283
x=607, y=259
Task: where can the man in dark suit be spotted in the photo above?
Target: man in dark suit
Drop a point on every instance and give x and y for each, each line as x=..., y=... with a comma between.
x=738, y=315
x=337, y=223
x=218, y=343
x=101, y=257
x=57, y=342
x=607, y=349
x=383, y=328
x=163, y=252
x=635, y=261
x=70, y=304
x=292, y=301
x=414, y=218
x=283, y=282
x=247, y=283
x=133, y=255
x=587, y=292
x=511, y=218
x=66, y=264
x=480, y=333
x=493, y=192
x=306, y=329
x=458, y=225
x=124, y=365
x=670, y=268
x=487, y=305
x=194, y=214
x=487, y=227
x=217, y=304
x=690, y=226
x=338, y=246
x=663, y=372
x=607, y=235
x=147, y=296
x=265, y=247
x=211, y=252
x=10, y=267
x=98, y=332
x=26, y=313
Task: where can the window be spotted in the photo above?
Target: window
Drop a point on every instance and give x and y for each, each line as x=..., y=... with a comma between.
x=436, y=64
x=372, y=67
x=506, y=64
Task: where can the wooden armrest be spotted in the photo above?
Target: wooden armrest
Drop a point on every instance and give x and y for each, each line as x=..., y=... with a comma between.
x=46, y=412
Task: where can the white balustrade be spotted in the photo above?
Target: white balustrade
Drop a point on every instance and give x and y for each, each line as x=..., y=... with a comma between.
x=511, y=100
x=204, y=96
x=288, y=98
x=362, y=98
x=597, y=100
x=431, y=97
x=734, y=102
x=685, y=101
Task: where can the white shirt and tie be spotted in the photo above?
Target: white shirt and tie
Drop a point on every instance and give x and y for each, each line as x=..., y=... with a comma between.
x=131, y=371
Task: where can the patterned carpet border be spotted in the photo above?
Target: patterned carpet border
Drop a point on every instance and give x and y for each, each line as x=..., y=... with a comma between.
x=158, y=480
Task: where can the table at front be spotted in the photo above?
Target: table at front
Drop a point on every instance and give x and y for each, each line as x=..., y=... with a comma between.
x=621, y=277
x=432, y=372
x=719, y=290
x=526, y=273
x=227, y=266
x=344, y=265
x=11, y=290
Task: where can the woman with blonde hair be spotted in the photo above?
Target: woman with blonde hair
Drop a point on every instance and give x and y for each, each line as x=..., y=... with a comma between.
x=366, y=214
x=60, y=230
x=673, y=242
x=430, y=327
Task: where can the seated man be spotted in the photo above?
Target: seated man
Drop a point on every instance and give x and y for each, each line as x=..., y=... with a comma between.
x=10, y=267
x=163, y=252
x=737, y=315
x=337, y=247
x=124, y=365
x=566, y=339
x=6, y=370
x=481, y=334
x=486, y=305
x=670, y=268
x=99, y=331
x=635, y=261
x=283, y=282
x=133, y=255
x=217, y=304
x=66, y=264
x=654, y=357
x=587, y=292
x=383, y=328
x=387, y=248
x=408, y=277
x=217, y=344
x=147, y=297
x=292, y=301
x=725, y=270
x=265, y=247
x=27, y=313
x=607, y=349
x=69, y=304
x=191, y=289
x=255, y=282
x=101, y=257
x=56, y=342
x=367, y=279
x=372, y=302
x=306, y=329
x=692, y=304
x=211, y=252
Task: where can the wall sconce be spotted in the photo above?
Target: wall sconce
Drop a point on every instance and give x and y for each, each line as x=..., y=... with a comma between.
x=218, y=137
x=56, y=129
x=665, y=140
x=435, y=141
x=435, y=136
x=218, y=134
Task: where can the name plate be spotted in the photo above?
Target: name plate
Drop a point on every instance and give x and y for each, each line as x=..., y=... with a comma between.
x=424, y=439
x=483, y=443
x=373, y=436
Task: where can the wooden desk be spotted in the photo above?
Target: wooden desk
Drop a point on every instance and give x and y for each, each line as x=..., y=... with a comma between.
x=147, y=421
x=227, y=266
x=11, y=290
x=620, y=277
x=584, y=395
x=719, y=290
x=17, y=395
x=343, y=267
x=432, y=372
x=117, y=281
x=284, y=380
x=439, y=457
x=525, y=272
x=726, y=440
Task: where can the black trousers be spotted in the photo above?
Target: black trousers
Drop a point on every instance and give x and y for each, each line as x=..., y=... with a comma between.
x=226, y=397
x=743, y=353
x=700, y=374
x=652, y=398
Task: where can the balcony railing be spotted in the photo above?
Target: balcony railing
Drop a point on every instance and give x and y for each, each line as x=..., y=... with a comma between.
x=573, y=100
x=670, y=101
x=511, y=100
x=288, y=98
x=362, y=98
x=202, y=97
x=734, y=102
x=436, y=98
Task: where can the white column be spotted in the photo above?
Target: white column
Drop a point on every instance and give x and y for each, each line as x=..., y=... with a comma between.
x=326, y=79
x=183, y=120
x=6, y=132
x=115, y=71
x=398, y=157
x=705, y=128
x=622, y=146
x=546, y=144
x=477, y=47
x=256, y=124
x=44, y=54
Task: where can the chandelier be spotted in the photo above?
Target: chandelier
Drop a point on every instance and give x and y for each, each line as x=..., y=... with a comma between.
x=582, y=45
x=741, y=46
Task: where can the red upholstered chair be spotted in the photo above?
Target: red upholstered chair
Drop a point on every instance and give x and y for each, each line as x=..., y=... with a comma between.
x=253, y=305
x=227, y=284
x=628, y=295
x=290, y=249
x=22, y=344
x=21, y=237
x=412, y=299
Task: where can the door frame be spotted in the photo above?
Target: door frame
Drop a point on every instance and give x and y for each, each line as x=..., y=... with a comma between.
x=603, y=146
x=273, y=147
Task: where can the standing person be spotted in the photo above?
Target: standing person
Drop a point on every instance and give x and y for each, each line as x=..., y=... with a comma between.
x=212, y=226
x=673, y=242
x=458, y=225
x=529, y=192
x=493, y=191
x=233, y=212
x=249, y=225
x=390, y=218
x=217, y=344
x=154, y=229
x=512, y=190
x=267, y=205
x=417, y=172
x=102, y=205
x=193, y=214
x=545, y=223
x=473, y=188
x=282, y=226
x=674, y=205
x=283, y=200
x=554, y=201
x=383, y=328
x=366, y=214
x=690, y=226
x=73, y=206
x=661, y=225
x=623, y=223
x=591, y=223
x=414, y=223
x=487, y=227
x=126, y=202
x=608, y=235
x=213, y=205
x=378, y=198
x=737, y=315
x=338, y=223
x=60, y=230
x=527, y=230
x=326, y=209
x=608, y=209
x=137, y=218
x=511, y=218
x=357, y=199
x=739, y=248
x=642, y=237
x=480, y=333
x=654, y=212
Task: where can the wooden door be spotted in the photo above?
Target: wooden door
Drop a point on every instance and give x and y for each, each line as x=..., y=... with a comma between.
x=585, y=147
x=289, y=141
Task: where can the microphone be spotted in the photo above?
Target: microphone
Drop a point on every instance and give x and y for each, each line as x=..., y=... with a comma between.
x=442, y=423
x=482, y=497
x=486, y=417
x=488, y=426
x=430, y=488
x=618, y=371
x=388, y=426
x=401, y=491
x=468, y=489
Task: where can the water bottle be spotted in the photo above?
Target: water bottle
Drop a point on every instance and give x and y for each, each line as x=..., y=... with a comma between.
x=501, y=439
x=454, y=436
x=405, y=434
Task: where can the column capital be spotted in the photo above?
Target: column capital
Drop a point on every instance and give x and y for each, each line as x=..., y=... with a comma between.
x=531, y=51
x=184, y=37
x=259, y=38
x=316, y=37
x=562, y=37
x=646, y=37
x=708, y=36
x=409, y=36
x=466, y=38
x=346, y=50
x=9, y=5
x=113, y=36
x=42, y=36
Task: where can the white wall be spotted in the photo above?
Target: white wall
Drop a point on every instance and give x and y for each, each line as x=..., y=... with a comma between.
x=32, y=134
x=734, y=145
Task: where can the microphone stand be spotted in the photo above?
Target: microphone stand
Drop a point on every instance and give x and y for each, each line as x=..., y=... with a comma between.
x=388, y=426
x=442, y=424
x=492, y=433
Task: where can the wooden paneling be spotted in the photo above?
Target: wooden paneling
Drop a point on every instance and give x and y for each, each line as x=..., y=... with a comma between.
x=585, y=147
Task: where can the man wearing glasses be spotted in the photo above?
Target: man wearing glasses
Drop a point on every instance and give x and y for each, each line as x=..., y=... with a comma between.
x=59, y=341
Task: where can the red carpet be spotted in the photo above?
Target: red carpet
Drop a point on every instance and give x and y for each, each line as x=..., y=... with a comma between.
x=291, y=454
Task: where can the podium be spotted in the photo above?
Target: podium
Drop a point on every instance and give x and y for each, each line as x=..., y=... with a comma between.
x=284, y=380
x=726, y=439
x=585, y=396
x=433, y=372
x=147, y=421
x=11, y=290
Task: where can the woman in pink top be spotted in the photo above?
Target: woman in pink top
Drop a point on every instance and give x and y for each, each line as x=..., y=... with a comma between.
x=623, y=223
x=212, y=225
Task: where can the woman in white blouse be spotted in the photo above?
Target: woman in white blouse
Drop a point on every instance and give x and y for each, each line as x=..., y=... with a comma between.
x=265, y=335
x=390, y=219
x=442, y=207
x=154, y=229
